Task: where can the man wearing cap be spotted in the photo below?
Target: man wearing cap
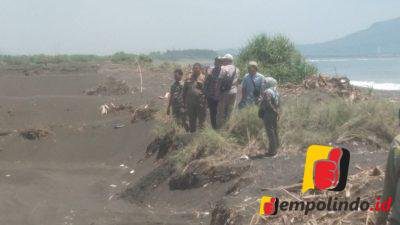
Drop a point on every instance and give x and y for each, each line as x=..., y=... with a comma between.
x=229, y=82
x=253, y=85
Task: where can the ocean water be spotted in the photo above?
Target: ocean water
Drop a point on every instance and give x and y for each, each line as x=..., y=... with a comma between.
x=377, y=73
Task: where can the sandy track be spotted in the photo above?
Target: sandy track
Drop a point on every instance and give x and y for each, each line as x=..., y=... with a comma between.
x=72, y=176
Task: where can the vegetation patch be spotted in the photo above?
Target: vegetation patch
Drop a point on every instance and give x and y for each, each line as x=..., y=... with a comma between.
x=311, y=118
x=277, y=57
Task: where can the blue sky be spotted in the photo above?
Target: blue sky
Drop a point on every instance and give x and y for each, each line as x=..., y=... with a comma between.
x=105, y=26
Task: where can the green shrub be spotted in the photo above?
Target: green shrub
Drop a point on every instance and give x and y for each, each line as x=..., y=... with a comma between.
x=47, y=59
x=120, y=57
x=315, y=118
x=277, y=57
x=245, y=125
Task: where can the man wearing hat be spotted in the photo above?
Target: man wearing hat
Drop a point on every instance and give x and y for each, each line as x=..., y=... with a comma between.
x=229, y=82
x=253, y=85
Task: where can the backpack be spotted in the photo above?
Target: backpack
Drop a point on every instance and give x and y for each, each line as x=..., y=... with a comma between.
x=226, y=83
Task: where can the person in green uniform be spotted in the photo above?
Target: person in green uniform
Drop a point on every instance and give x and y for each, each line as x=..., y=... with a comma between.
x=269, y=113
x=176, y=100
x=391, y=190
x=194, y=98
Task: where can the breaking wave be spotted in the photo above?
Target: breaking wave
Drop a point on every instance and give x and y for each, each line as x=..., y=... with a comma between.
x=377, y=86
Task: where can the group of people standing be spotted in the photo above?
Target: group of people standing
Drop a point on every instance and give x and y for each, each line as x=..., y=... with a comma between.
x=216, y=88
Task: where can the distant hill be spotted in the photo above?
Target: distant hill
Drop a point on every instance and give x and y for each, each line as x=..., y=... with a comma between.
x=175, y=55
x=381, y=39
x=232, y=51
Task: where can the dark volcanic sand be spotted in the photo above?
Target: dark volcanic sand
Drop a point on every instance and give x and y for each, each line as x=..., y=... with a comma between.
x=69, y=176
x=74, y=175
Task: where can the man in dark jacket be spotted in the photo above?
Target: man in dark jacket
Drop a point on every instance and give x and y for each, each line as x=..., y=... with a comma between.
x=212, y=90
x=391, y=191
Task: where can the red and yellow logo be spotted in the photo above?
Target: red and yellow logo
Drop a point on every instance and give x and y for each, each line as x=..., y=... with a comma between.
x=269, y=206
x=326, y=168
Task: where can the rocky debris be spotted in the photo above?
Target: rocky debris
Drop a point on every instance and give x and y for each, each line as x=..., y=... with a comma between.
x=33, y=134
x=144, y=112
x=339, y=86
x=336, y=85
x=111, y=86
x=222, y=215
x=107, y=108
x=201, y=172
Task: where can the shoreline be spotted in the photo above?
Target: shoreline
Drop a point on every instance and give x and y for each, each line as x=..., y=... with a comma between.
x=352, y=57
x=376, y=86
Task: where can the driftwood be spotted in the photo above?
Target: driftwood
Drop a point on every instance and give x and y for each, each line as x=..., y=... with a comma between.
x=338, y=86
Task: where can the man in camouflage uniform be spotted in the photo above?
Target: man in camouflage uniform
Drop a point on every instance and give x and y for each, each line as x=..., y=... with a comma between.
x=176, y=100
x=194, y=98
x=269, y=113
x=392, y=185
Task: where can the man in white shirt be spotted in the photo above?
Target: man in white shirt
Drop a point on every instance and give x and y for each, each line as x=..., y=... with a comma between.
x=229, y=82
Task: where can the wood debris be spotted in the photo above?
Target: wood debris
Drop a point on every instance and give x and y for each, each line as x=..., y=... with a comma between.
x=339, y=86
x=111, y=86
x=144, y=112
x=33, y=134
